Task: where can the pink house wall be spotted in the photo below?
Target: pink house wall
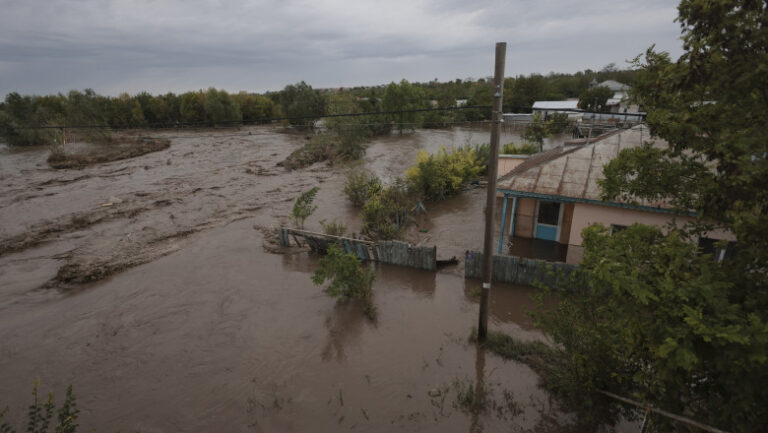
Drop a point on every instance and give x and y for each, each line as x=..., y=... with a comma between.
x=587, y=214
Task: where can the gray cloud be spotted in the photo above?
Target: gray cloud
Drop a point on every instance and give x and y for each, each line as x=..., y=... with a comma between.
x=48, y=46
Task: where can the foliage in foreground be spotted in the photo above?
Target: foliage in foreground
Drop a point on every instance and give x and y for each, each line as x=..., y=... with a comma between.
x=475, y=398
x=650, y=316
x=440, y=175
x=349, y=279
x=303, y=207
x=40, y=414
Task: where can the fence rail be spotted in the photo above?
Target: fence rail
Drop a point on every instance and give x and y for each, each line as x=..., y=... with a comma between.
x=391, y=252
x=518, y=270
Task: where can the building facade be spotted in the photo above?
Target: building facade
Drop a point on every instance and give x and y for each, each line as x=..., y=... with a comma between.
x=552, y=196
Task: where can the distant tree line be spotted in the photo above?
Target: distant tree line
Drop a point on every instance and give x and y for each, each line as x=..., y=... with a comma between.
x=20, y=115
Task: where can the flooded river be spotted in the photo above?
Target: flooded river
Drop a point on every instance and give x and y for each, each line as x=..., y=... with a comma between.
x=144, y=284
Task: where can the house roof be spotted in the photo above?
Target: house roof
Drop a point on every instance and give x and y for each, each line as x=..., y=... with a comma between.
x=613, y=85
x=572, y=172
x=556, y=105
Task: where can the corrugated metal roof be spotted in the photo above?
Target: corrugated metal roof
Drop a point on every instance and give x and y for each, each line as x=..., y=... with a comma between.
x=613, y=85
x=556, y=105
x=573, y=171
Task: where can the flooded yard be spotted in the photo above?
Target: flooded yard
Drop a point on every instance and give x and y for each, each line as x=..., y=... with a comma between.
x=144, y=283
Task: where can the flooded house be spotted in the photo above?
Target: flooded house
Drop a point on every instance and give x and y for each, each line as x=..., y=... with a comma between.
x=549, y=198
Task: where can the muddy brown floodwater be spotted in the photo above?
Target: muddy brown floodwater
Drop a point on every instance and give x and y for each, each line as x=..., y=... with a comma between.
x=144, y=284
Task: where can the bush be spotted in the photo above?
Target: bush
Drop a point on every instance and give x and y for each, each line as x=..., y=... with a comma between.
x=303, y=207
x=334, y=228
x=360, y=186
x=348, y=278
x=385, y=213
x=523, y=149
x=482, y=153
x=437, y=176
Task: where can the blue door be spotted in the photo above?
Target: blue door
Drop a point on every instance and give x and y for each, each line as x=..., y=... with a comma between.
x=547, y=220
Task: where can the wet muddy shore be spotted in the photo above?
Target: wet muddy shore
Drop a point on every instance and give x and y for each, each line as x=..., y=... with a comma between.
x=143, y=283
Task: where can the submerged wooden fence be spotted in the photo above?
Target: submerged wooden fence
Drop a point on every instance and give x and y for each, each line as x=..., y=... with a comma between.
x=392, y=252
x=519, y=270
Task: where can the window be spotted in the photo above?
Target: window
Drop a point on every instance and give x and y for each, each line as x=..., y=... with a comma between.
x=549, y=213
x=615, y=228
x=720, y=250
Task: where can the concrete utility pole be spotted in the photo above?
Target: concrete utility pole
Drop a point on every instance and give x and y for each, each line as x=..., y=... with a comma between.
x=493, y=171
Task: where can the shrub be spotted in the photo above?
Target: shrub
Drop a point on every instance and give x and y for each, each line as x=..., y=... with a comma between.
x=360, y=186
x=482, y=154
x=39, y=414
x=334, y=228
x=523, y=149
x=385, y=213
x=348, y=278
x=437, y=176
x=303, y=207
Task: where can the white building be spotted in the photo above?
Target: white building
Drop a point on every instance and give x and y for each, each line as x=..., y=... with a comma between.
x=546, y=108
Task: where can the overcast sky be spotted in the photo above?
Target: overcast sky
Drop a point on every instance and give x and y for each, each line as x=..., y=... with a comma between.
x=114, y=46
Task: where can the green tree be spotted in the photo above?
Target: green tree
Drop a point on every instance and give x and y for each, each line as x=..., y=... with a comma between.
x=220, y=108
x=301, y=103
x=192, y=107
x=527, y=90
x=349, y=279
x=404, y=97
x=159, y=110
x=255, y=107
x=352, y=133
x=303, y=207
x=652, y=317
x=137, y=115
x=22, y=114
x=595, y=98
x=537, y=131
